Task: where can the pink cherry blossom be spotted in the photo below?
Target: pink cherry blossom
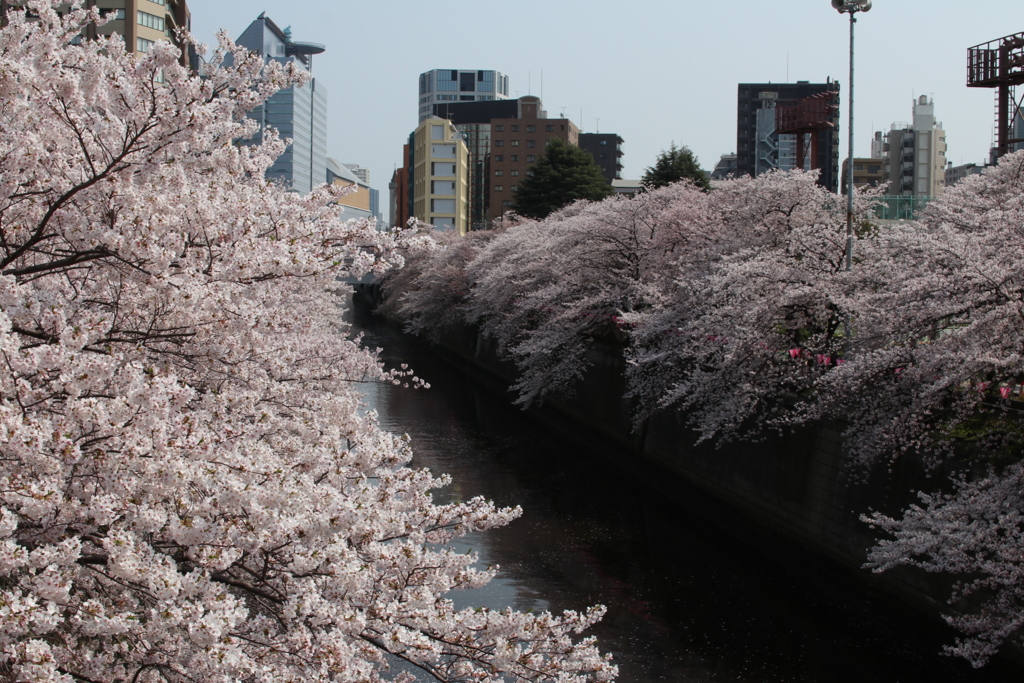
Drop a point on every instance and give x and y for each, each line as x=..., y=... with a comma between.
x=190, y=485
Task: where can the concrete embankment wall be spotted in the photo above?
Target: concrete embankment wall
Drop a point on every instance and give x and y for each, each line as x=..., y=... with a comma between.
x=792, y=495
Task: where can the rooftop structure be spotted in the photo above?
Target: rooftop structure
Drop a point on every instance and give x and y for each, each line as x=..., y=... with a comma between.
x=459, y=85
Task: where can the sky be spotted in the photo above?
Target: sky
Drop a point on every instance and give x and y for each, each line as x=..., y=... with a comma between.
x=656, y=72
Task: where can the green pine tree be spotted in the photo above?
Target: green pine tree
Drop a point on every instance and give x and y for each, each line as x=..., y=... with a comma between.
x=564, y=174
x=673, y=165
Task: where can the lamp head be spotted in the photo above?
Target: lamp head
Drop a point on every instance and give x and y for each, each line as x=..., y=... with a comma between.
x=851, y=6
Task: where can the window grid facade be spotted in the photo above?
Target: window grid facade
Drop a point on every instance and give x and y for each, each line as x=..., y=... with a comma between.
x=440, y=85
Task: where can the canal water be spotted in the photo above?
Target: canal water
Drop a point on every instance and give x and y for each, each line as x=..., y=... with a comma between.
x=686, y=602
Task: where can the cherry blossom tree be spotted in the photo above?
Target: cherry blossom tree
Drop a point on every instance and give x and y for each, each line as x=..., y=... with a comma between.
x=190, y=487
x=945, y=380
x=431, y=292
x=940, y=311
x=751, y=324
x=736, y=308
x=550, y=289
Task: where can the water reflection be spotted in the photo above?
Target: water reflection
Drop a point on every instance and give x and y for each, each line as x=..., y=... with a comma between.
x=685, y=603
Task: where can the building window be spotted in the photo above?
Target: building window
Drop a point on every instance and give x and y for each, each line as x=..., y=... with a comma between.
x=143, y=45
x=530, y=158
x=499, y=172
x=442, y=169
x=442, y=206
x=514, y=128
x=442, y=151
x=531, y=129
x=499, y=143
x=499, y=129
x=437, y=132
x=513, y=172
x=442, y=187
x=158, y=2
x=531, y=143
x=514, y=157
x=151, y=20
x=506, y=202
x=513, y=143
x=550, y=128
x=513, y=188
x=443, y=223
x=118, y=13
x=499, y=157
x=499, y=188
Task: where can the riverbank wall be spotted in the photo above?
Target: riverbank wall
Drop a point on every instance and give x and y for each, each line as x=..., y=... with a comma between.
x=793, y=496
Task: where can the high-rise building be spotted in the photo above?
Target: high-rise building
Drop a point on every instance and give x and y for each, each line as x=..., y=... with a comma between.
x=298, y=112
x=440, y=176
x=140, y=22
x=606, y=149
x=916, y=154
x=459, y=85
x=759, y=148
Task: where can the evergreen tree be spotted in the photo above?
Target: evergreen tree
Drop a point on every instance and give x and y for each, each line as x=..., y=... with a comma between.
x=673, y=165
x=564, y=174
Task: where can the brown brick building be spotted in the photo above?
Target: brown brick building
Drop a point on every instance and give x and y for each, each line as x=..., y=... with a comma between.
x=516, y=145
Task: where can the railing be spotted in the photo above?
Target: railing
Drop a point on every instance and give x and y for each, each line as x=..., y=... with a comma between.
x=897, y=207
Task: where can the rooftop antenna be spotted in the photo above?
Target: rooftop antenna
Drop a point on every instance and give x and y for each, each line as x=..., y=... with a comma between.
x=562, y=115
x=787, y=66
x=542, y=84
x=598, y=125
x=529, y=82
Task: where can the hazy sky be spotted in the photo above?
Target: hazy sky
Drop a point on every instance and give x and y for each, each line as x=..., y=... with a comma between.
x=655, y=72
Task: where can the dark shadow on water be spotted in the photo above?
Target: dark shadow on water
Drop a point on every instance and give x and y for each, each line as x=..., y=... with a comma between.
x=686, y=602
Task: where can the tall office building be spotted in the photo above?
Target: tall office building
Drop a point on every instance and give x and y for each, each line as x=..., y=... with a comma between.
x=459, y=85
x=759, y=148
x=140, y=22
x=916, y=154
x=298, y=112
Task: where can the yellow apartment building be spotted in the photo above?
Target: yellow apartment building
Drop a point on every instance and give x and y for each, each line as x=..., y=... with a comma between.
x=441, y=176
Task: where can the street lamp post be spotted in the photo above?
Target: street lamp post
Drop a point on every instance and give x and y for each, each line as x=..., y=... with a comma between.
x=851, y=7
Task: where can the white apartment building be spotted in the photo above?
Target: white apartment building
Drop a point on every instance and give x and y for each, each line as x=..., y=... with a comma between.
x=916, y=154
